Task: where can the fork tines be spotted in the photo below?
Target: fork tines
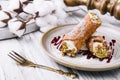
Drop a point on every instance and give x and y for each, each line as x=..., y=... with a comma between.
x=15, y=56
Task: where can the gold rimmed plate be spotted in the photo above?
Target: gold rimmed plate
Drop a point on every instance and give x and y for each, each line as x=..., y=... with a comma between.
x=81, y=62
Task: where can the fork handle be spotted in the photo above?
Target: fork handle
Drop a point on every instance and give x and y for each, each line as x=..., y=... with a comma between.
x=69, y=74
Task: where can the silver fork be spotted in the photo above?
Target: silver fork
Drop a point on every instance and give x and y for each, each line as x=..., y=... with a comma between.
x=25, y=62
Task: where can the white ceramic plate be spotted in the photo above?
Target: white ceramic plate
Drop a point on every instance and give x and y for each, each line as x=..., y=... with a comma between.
x=81, y=62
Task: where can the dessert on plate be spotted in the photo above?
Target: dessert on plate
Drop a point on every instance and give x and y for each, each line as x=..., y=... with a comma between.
x=76, y=38
x=98, y=47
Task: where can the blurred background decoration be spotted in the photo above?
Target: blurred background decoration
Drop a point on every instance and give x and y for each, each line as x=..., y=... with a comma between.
x=18, y=17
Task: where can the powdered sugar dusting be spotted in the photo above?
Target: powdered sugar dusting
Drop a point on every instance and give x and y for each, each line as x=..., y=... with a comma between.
x=81, y=27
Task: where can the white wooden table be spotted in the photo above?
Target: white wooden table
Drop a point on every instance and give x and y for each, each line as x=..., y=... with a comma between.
x=29, y=47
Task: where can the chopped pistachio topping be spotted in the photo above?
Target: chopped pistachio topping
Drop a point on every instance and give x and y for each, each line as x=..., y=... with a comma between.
x=65, y=50
x=71, y=53
x=94, y=17
x=100, y=50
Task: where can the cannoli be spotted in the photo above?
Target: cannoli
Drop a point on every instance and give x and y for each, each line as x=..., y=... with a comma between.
x=98, y=47
x=76, y=38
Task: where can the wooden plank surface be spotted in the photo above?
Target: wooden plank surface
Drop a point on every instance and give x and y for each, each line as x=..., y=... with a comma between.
x=29, y=47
